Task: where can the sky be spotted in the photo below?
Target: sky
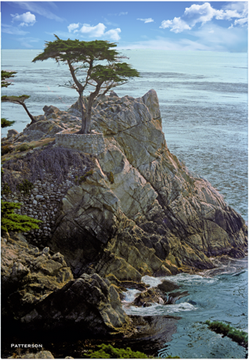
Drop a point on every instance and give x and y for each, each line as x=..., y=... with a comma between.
x=170, y=25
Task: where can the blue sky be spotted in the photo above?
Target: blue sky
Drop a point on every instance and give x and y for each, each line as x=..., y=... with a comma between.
x=170, y=25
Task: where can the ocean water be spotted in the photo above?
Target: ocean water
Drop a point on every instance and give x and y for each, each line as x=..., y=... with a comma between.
x=203, y=100
x=215, y=296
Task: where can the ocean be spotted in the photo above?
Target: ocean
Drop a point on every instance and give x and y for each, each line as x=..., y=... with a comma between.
x=203, y=100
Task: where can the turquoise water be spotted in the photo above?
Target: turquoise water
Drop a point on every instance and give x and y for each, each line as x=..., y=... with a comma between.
x=204, y=105
x=215, y=296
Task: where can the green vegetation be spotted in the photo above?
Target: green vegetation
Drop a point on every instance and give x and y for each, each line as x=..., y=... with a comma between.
x=6, y=123
x=6, y=189
x=83, y=177
x=6, y=75
x=14, y=222
x=25, y=186
x=90, y=73
x=238, y=336
x=24, y=147
x=109, y=352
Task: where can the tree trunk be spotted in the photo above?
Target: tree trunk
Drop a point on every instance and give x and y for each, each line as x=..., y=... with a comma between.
x=27, y=111
x=83, y=128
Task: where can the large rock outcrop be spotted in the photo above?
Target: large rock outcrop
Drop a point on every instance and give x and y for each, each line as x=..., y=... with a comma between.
x=40, y=294
x=139, y=211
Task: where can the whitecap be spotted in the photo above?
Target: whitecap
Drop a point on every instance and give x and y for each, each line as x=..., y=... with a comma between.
x=130, y=295
x=157, y=309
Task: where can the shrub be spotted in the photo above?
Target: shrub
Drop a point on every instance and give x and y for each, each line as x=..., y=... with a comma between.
x=25, y=186
x=109, y=352
x=6, y=189
x=84, y=177
x=14, y=222
x=6, y=123
x=236, y=335
x=24, y=147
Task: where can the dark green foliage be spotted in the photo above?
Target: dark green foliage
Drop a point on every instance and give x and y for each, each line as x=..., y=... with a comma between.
x=25, y=186
x=15, y=99
x=238, y=336
x=6, y=75
x=5, y=189
x=83, y=177
x=24, y=147
x=6, y=123
x=10, y=221
x=91, y=73
x=109, y=352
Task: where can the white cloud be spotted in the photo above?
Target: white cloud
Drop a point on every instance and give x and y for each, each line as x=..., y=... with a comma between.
x=40, y=8
x=176, y=25
x=25, y=19
x=205, y=13
x=73, y=27
x=93, y=31
x=123, y=13
x=113, y=34
x=146, y=21
x=199, y=13
x=97, y=31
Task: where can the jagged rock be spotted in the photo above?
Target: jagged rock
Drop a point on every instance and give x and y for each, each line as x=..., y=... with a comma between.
x=29, y=275
x=88, y=304
x=11, y=133
x=140, y=212
x=167, y=286
x=148, y=297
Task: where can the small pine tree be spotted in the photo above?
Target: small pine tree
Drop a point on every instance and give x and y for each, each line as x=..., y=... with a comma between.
x=6, y=123
x=10, y=221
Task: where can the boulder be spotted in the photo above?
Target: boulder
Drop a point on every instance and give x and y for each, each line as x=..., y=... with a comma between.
x=88, y=304
x=29, y=275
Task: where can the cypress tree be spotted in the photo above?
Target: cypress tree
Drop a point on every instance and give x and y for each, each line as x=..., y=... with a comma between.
x=93, y=64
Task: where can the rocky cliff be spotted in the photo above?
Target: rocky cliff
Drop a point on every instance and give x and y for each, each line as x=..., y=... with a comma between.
x=129, y=208
x=139, y=211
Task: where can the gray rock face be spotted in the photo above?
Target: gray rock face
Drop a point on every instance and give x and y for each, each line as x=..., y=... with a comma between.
x=140, y=211
x=88, y=304
x=165, y=218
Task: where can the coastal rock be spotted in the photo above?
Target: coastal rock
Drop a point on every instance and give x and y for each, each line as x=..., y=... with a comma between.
x=148, y=297
x=88, y=304
x=29, y=275
x=140, y=211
